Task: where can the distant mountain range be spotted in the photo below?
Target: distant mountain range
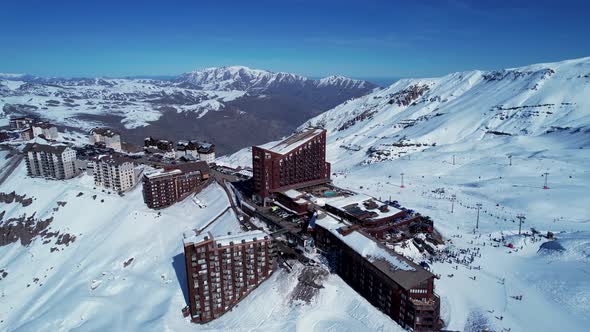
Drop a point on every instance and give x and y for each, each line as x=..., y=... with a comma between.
x=258, y=81
x=232, y=106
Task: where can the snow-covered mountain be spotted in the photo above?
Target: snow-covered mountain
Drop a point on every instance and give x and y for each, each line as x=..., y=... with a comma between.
x=544, y=100
x=260, y=81
x=252, y=105
x=486, y=138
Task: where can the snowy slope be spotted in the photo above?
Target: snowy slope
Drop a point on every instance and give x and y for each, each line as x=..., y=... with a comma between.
x=125, y=269
x=138, y=102
x=539, y=115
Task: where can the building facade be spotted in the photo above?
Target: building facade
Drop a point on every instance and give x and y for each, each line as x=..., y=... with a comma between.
x=20, y=122
x=26, y=134
x=48, y=130
x=114, y=172
x=404, y=292
x=108, y=137
x=50, y=161
x=206, y=152
x=221, y=271
x=297, y=161
x=168, y=186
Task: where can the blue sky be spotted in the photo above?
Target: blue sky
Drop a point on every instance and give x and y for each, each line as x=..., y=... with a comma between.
x=363, y=39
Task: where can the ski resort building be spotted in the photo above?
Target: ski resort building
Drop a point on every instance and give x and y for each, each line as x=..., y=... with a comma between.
x=223, y=270
x=297, y=161
x=26, y=134
x=395, y=285
x=173, y=183
x=206, y=152
x=20, y=122
x=195, y=150
x=114, y=172
x=50, y=161
x=46, y=129
x=108, y=137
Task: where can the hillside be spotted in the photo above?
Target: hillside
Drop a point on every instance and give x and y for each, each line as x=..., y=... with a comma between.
x=452, y=136
x=99, y=261
x=229, y=106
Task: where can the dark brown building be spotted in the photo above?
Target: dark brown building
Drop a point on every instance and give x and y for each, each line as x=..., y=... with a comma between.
x=297, y=161
x=221, y=271
x=395, y=285
x=173, y=183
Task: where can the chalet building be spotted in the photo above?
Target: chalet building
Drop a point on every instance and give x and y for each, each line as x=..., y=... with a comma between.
x=194, y=150
x=153, y=145
x=223, y=270
x=297, y=161
x=187, y=150
x=26, y=134
x=20, y=122
x=45, y=129
x=114, y=172
x=50, y=161
x=174, y=183
x=206, y=152
x=4, y=136
x=108, y=137
x=395, y=285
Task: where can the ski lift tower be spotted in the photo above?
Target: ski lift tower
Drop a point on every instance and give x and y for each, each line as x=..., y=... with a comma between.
x=477, y=222
x=402, y=186
x=453, y=198
x=521, y=219
x=510, y=159
x=545, y=175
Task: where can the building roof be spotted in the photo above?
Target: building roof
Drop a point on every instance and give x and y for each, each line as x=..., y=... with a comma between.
x=177, y=169
x=162, y=173
x=104, y=132
x=114, y=159
x=400, y=269
x=190, y=237
x=43, y=125
x=294, y=141
x=200, y=166
x=36, y=147
x=360, y=204
x=292, y=194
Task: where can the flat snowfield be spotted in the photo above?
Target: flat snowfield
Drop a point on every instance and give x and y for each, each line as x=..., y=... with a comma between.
x=125, y=269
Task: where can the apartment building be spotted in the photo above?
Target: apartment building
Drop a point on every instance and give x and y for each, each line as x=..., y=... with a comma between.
x=50, y=161
x=221, y=271
x=206, y=152
x=114, y=172
x=46, y=129
x=20, y=122
x=26, y=134
x=108, y=137
x=297, y=161
x=196, y=150
x=173, y=183
x=392, y=283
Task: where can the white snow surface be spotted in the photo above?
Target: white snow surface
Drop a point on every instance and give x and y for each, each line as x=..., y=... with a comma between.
x=545, y=109
x=257, y=80
x=86, y=287
x=363, y=245
x=136, y=101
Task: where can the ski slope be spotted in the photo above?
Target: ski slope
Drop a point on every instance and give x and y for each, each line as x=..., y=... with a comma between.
x=454, y=135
